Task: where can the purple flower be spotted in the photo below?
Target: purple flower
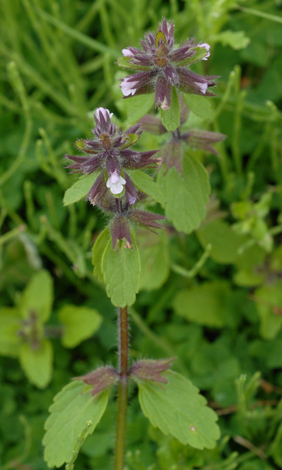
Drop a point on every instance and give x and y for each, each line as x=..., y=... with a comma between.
x=160, y=66
x=109, y=154
x=172, y=152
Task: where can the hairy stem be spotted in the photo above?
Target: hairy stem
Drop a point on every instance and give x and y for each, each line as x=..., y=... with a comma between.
x=122, y=387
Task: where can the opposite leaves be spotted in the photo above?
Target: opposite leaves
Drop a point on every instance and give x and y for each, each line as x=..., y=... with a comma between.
x=71, y=411
x=177, y=408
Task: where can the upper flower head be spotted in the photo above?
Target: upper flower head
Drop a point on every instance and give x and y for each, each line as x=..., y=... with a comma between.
x=160, y=66
x=109, y=154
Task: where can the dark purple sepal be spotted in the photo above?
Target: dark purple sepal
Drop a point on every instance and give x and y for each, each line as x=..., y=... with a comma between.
x=100, y=378
x=152, y=124
x=150, y=369
x=203, y=140
x=146, y=219
x=171, y=155
x=98, y=190
x=130, y=190
x=120, y=229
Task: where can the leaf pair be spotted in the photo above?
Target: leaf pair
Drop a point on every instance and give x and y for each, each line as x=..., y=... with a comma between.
x=22, y=330
x=176, y=408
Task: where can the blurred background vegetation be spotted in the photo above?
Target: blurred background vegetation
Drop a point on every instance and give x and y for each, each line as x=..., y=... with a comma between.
x=222, y=318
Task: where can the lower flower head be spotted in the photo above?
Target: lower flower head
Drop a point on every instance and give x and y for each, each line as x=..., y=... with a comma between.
x=109, y=154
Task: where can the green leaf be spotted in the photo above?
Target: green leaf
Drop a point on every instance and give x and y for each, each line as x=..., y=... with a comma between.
x=98, y=251
x=38, y=296
x=177, y=408
x=155, y=262
x=79, y=323
x=201, y=52
x=171, y=116
x=130, y=140
x=10, y=323
x=186, y=195
x=276, y=447
x=70, y=412
x=268, y=300
x=121, y=271
x=37, y=364
x=146, y=184
x=205, y=303
x=80, y=188
x=199, y=105
x=137, y=106
x=126, y=63
x=235, y=39
x=224, y=241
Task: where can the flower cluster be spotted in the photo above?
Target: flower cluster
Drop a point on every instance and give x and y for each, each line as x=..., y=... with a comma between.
x=109, y=154
x=123, y=213
x=171, y=153
x=160, y=66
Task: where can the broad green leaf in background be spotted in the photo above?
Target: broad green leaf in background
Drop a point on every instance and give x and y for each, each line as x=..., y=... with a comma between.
x=186, y=195
x=37, y=364
x=276, y=447
x=121, y=271
x=171, y=116
x=235, y=39
x=224, y=241
x=199, y=105
x=10, y=321
x=155, y=262
x=177, y=408
x=146, y=184
x=38, y=296
x=268, y=300
x=204, y=303
x=97, y=253
x=137, y=106
x=70, y=412
x=80, y=188
x=79, y=323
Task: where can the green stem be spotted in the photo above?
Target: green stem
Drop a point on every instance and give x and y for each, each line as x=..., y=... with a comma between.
x=122, y=388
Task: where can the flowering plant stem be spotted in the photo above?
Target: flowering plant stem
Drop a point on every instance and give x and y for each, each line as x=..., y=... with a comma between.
x=122, y=387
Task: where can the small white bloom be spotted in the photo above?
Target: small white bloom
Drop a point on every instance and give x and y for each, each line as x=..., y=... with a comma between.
x=128, y=87
x=127, y=53
x=207, y=47
x=203, y=86
x=115, y=183
x=105, y=113
x=114, y=177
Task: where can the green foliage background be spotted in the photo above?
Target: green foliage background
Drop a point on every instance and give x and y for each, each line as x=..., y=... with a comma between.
x=222, y=318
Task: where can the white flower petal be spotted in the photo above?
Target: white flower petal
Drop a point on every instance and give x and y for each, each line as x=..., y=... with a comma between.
x=203, y=86
x=116, y=188
x=105, y=112
x=207, y=47
x=114, y=177
x=128, y=87
x=127, y=53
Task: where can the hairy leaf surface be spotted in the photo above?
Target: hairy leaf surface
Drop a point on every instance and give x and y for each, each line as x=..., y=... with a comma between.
x=70, y=412
x=178, y=409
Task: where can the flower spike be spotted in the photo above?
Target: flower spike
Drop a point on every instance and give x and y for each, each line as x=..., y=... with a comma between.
x=109, y=154
x=160, y=66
